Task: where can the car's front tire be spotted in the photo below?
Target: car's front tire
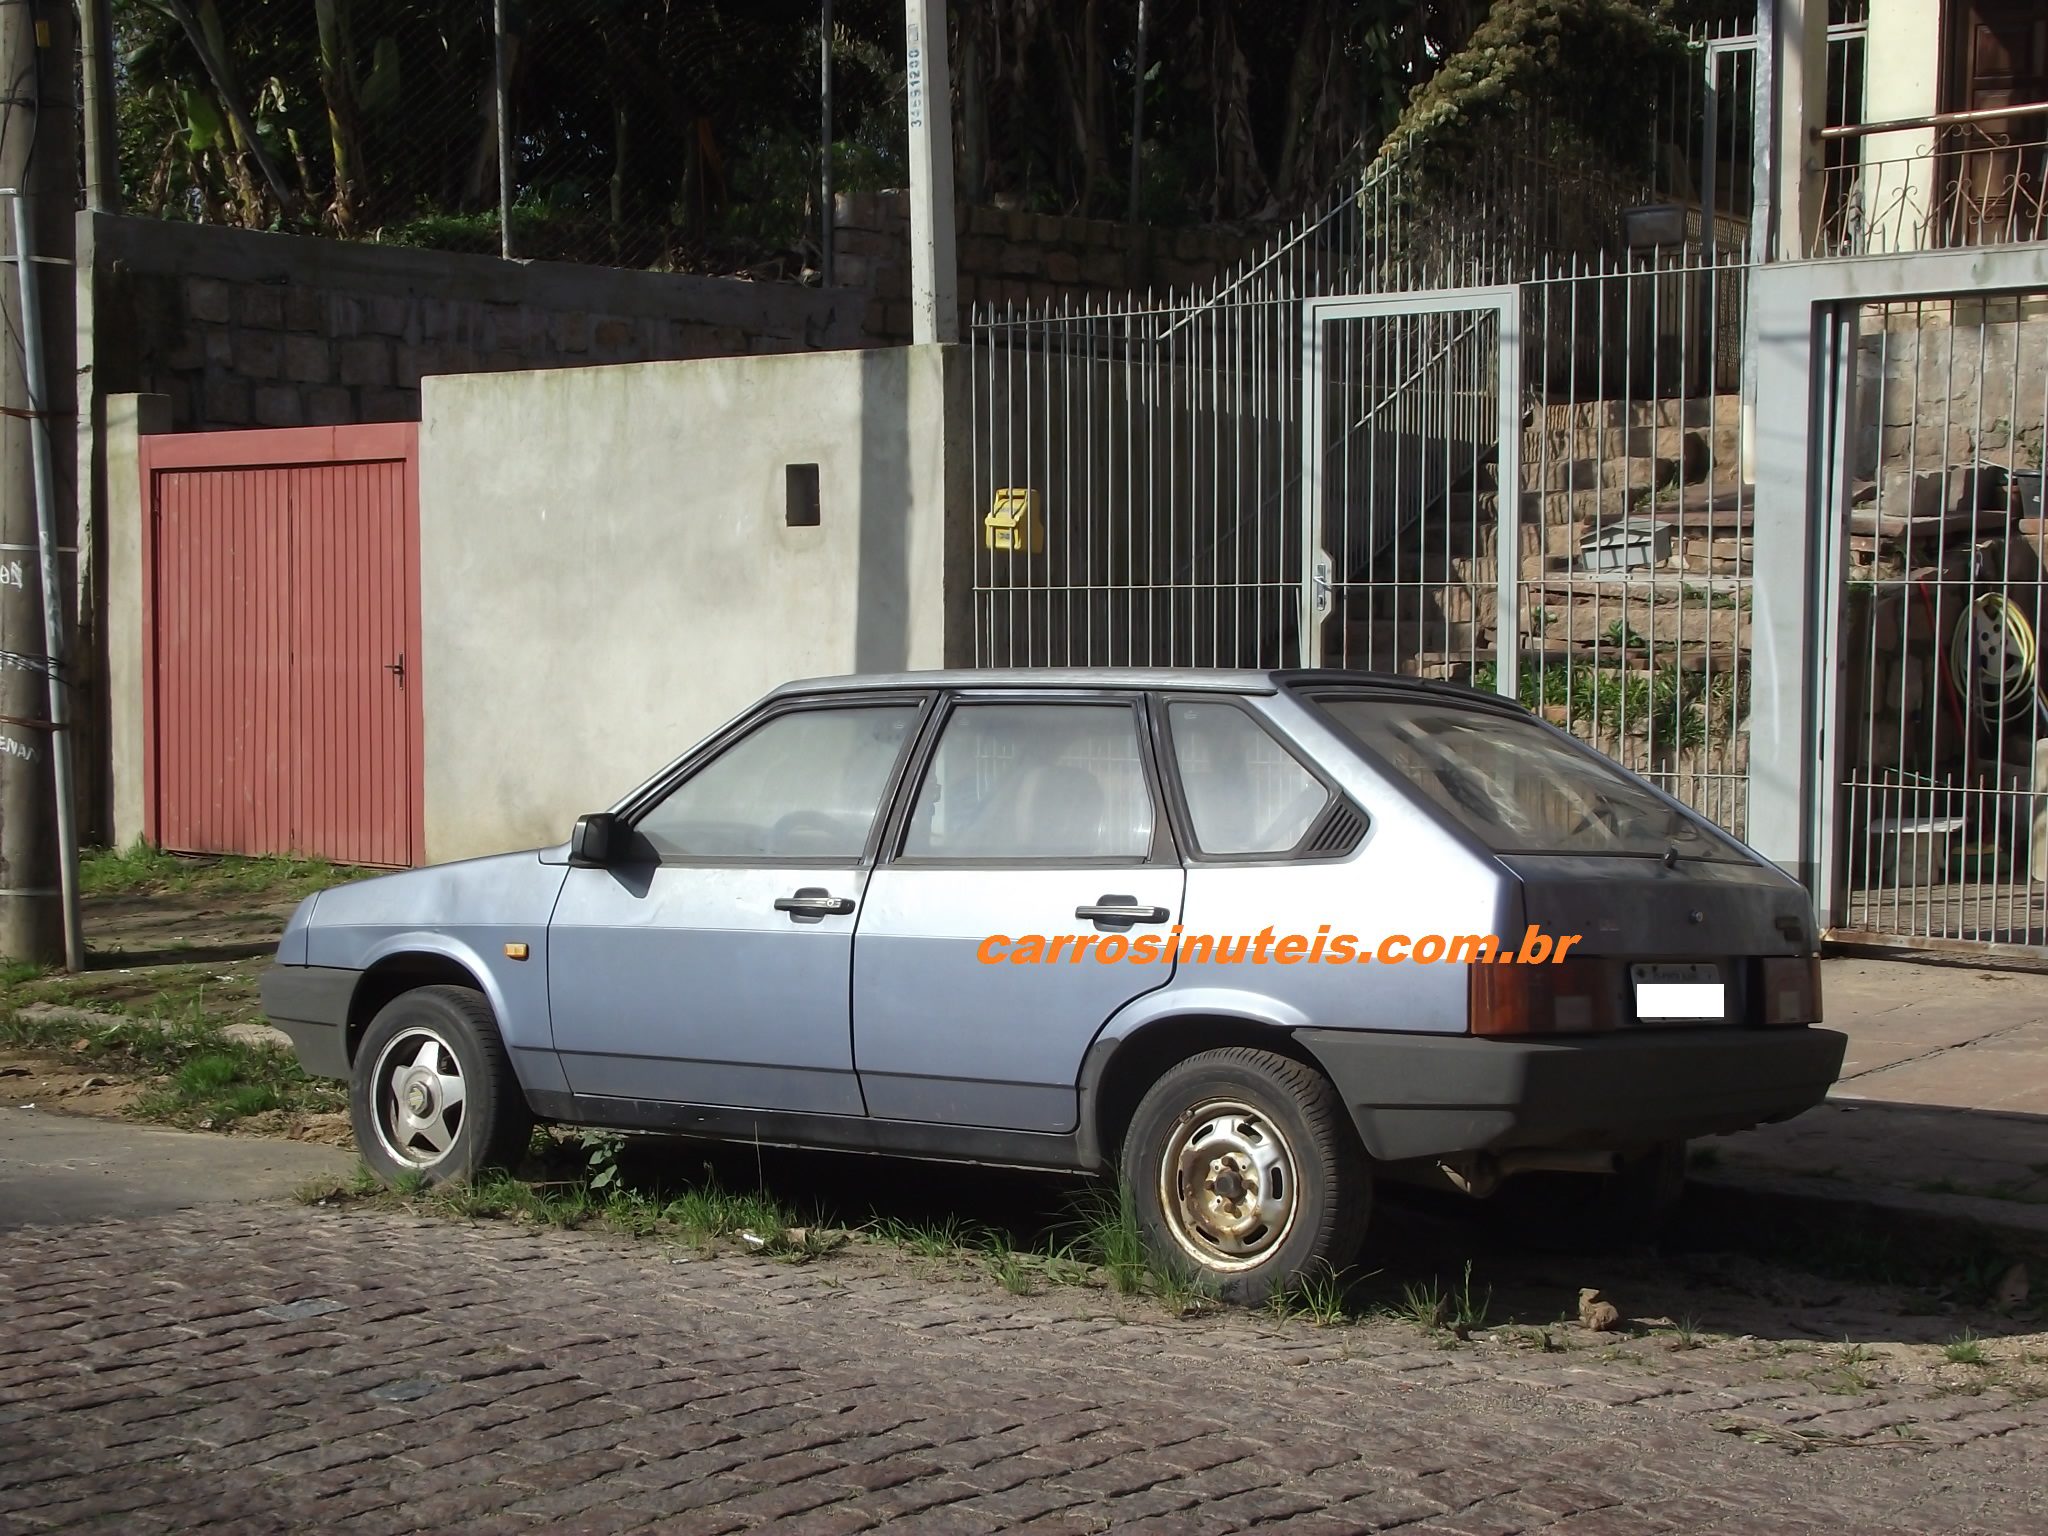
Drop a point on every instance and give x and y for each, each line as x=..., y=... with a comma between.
x=1247, y=1173
x=432, y=1092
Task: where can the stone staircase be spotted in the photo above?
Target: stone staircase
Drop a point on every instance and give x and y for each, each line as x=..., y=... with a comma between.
x=1668, y=469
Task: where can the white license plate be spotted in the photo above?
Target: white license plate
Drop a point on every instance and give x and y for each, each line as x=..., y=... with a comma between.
x=1673, y=994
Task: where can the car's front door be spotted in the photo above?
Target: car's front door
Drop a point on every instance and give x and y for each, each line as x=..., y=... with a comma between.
x=1035, y=817
x=709, y=962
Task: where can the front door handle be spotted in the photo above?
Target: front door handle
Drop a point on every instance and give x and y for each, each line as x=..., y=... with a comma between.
x=812, y=903
x=1120, y=912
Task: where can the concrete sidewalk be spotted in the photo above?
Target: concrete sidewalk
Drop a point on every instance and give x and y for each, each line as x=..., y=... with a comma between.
x=1942, y=1110
x=56, y=1169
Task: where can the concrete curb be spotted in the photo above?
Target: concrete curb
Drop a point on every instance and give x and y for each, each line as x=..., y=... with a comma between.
x=1906, y=1221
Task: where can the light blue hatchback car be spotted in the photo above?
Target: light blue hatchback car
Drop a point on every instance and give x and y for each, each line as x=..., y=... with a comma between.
x=1231, y=935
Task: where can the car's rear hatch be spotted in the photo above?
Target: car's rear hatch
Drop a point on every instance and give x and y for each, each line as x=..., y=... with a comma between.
x=1668, y=919
x=1647, y=908
x=1693, y=943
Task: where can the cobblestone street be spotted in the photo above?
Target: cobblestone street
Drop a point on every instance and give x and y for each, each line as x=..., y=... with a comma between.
x=279, y=1367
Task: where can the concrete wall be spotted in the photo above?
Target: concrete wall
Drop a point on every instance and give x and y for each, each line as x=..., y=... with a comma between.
x=1901, y=79
x=607, y=575
x=113, y=783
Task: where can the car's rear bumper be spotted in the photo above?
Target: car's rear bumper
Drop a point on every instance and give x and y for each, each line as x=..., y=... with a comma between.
x=310, y=1004
x=1433, y=1095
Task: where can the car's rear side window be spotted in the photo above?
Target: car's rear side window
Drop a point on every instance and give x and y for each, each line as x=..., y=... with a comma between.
x=1246, y=794
x=1516, y=785
x=1038, y=780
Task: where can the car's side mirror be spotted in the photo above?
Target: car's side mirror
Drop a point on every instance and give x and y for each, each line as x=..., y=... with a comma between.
x=590, y=845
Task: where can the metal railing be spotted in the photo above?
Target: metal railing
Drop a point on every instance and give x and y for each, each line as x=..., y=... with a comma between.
x=1970, y=178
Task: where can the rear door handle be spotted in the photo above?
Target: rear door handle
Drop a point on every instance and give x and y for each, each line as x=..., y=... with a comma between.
x=1120, y=912
x=812, y=903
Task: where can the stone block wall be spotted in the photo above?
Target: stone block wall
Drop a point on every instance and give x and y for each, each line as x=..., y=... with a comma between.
x=242, y=329
x=1010, y=257
x=1945, y=384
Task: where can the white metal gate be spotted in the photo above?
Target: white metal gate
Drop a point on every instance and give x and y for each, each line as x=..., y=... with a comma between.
x=1410, y=429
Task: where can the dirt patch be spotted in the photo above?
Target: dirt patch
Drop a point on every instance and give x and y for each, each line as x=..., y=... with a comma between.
x=329, y=1130
x=48, y=1081
x=52, y=1082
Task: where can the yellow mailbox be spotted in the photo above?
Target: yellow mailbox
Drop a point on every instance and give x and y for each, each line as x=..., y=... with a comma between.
x=1013, y=523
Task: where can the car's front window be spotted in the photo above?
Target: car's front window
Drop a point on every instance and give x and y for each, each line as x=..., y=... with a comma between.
x=1519, y=787
x=802, y=785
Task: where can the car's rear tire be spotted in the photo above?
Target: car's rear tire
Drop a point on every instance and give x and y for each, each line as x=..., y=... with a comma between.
x=1247, y=1173
x=431, y=1090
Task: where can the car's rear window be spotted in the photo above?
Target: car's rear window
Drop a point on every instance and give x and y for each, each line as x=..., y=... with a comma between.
x=1517, y=785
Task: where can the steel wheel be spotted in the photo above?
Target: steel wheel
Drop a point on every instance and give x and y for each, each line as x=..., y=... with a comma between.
x=420, y=1097
x=1227, y=1185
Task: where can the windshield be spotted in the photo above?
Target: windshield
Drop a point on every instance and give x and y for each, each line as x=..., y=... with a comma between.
x=1519, y=788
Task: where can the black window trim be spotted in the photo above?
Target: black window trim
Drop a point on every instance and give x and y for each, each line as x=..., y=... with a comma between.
x=1164, y=850
x=1335, y=802
x=710, y=750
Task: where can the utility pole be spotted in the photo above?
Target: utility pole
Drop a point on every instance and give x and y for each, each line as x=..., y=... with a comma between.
x=928, y=81
x=827, y=224
x=501, y=112
x=38, y=393
x=102, y=140
x=1137, y=118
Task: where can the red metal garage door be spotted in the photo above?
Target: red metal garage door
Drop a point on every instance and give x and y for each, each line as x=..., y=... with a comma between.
x=284, y=643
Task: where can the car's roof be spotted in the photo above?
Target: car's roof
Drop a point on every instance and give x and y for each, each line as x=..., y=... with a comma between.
x=1217, y=679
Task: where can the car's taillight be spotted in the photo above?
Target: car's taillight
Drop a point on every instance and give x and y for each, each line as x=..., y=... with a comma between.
x=1568, y=997
x=1791, y=990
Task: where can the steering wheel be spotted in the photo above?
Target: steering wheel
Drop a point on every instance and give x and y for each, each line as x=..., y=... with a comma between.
x=797, y=823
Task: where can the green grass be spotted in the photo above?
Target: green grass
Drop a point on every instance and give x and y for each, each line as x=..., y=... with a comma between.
x=1318, y=1297
x=1104, y=1232
x=1431, y=1305
x=1013, y=1271
x=944, y=1238
x=202, y=1079
x=141, y=870
x=705, y=1214
x=1424, y=1304
x=1965, y=1349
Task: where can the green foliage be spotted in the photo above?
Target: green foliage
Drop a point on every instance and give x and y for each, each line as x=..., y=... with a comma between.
x=1606, y=700
x=1592, y=69
x=141, y=870
x=601, y=1150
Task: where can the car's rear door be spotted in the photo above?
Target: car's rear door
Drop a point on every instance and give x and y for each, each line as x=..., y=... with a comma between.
x=1029, y=816
x=709, y=962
